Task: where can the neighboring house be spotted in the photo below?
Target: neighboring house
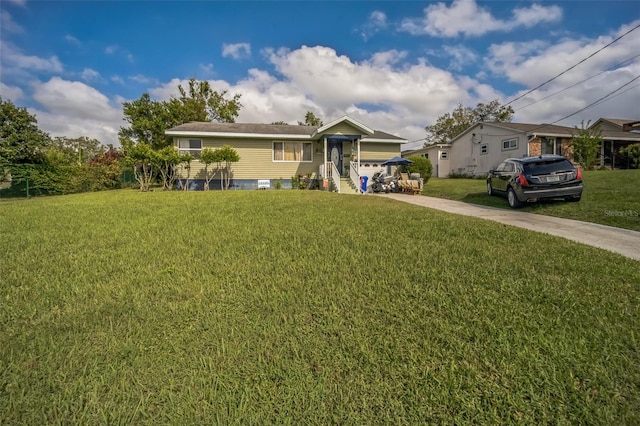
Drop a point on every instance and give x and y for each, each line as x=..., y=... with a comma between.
x=438, y=154
x=484, y=145
x=340, y=152
x=616, y=134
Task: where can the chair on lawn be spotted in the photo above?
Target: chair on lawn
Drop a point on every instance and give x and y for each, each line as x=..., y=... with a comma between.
x=404, y=183
x=416, y=186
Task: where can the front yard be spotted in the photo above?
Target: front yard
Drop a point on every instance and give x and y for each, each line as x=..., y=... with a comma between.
x=304, y=307
x=609, y=198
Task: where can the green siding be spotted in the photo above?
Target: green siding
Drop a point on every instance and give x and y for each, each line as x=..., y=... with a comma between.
x=342, y=129
x=379, y=151
x=256, y=160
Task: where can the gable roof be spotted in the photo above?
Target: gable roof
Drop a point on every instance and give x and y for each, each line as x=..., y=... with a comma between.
x=527, y=129
x=537, y=129
x=271, y=131
x=618, y=122
x=364, y=129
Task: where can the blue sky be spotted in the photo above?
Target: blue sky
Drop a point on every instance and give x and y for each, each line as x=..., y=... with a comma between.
x=395, y=66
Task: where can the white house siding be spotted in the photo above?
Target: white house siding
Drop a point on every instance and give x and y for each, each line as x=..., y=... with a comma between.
x=466, y=157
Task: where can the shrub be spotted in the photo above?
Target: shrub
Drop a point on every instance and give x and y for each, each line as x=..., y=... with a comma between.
x=632, y=154
x=420, y=165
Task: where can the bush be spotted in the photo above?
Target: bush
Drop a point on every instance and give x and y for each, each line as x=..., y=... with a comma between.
x=632, y=154
x=420, y=165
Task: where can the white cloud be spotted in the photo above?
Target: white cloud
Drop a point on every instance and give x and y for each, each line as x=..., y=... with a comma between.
x=117, y=79
x=461, y=56
x=72, y=108
x=236, y=51
x=22, y=3
x=531, y=16
x=466, y=17
x=380, y=92
x=533, y=63
x=110, y=50
x=377, y=21
x=13, y=93
x=88, y=74
x=206, y=69
x=142, y=79
x=14, y=58
x=71, y=39
x=8, y=24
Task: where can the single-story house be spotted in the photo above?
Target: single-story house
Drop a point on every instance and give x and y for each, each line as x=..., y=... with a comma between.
x=616, y=134
x=484, y=145
x=340, y=152
x=438, y=154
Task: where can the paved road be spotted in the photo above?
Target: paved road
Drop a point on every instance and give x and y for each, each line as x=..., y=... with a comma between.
x=617, y=240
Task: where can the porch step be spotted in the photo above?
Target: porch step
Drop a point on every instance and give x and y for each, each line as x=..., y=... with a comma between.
x=347, y=186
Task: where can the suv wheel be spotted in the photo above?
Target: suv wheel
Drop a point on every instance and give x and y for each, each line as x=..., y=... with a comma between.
x=489, y=189
x=514, y=203
x=574, y=198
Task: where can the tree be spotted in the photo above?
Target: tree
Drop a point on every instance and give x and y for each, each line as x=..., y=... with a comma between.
x=185, y=166
x=166, y=160
x=76, y=150
x=21, y=141
x=586, y=143
x=450, y=125
x=201, y=103
x=227, y=155
x=310, y=119
x=142, y=158
x=148, y=120
x=208, y=157
x=280, y=123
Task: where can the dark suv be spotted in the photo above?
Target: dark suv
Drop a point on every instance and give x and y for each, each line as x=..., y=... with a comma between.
x=530, y=179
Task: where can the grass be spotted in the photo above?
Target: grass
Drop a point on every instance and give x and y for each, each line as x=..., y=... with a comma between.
x=609, y=198
x=303, y=307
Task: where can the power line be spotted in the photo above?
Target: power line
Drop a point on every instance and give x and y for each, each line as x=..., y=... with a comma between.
x=576, y=84
x=602, y=99
x=572, y=67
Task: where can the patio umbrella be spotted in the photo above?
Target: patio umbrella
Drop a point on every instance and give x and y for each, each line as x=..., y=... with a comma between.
x=396, y=161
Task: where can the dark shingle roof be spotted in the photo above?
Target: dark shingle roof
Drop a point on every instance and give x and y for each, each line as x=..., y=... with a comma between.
x=263, y=129
x=539, y=129
x=267, y=129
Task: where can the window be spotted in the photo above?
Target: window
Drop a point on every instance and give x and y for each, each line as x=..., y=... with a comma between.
x=426, y=155
x=443, y=155
x=510, y=144
x=190, y=146
x=548, y=146
x=292, y=151
x=484, y=149
x=509, y=167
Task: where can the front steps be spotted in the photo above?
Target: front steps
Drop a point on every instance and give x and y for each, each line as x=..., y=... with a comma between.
x=347, y=186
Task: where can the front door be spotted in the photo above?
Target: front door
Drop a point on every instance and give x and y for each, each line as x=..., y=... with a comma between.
x=335, y=154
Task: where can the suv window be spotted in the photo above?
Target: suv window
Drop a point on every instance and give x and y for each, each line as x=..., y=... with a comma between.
x=508, y=167
x=547, y=167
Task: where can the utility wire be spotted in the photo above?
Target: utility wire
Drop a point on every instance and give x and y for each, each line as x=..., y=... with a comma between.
x=572, y=67
x=602, y=99
x=576, y=84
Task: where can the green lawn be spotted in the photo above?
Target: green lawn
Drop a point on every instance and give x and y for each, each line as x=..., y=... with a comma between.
x=609, y=198
x=304, y=307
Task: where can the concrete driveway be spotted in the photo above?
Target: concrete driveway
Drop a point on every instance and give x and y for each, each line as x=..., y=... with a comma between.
x=617, y=240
